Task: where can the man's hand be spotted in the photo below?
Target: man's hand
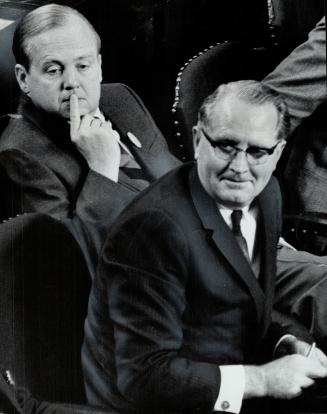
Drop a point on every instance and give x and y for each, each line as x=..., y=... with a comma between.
x=96, y=141
x=291, y=345
x=283, y=378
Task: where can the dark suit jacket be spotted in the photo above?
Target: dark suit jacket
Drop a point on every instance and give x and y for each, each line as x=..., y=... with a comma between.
x=174, y=298
x=47, y=174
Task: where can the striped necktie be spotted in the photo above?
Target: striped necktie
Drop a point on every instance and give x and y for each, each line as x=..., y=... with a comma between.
x=236, y=222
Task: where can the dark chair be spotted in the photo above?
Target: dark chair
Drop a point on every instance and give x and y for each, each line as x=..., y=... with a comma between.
x=224, y=62
x=44, y=294
x=307, y=231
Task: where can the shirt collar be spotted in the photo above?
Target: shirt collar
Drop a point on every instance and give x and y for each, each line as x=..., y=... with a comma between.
x=226, y=212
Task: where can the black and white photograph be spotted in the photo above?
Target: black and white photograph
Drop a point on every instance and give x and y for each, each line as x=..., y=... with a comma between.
x=163, y=214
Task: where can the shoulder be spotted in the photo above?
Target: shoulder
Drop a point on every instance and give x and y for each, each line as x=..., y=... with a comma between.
x=319, y=30
x=22, y=134
x=118, y=94
x=167, y=197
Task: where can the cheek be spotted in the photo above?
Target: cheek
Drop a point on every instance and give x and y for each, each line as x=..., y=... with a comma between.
x=261, y=179
x=211, y=170
x=93, y=75
x=44, y=86
x=46, y=95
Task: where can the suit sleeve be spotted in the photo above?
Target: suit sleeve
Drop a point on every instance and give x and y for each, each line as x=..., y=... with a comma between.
x=301, y=289
x=301, y=77
x=32, y=186
x=146, y=276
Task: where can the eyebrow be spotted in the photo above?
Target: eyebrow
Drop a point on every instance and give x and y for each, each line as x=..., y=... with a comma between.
x=226, y=139
x=57, y=60
x=90, y=56
x=47, y=62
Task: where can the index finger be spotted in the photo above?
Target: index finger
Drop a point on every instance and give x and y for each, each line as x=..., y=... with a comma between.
x=75, y=118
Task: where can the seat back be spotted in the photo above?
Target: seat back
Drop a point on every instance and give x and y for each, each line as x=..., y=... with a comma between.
x=10, y=13
x=224, y=62
x=44, y=294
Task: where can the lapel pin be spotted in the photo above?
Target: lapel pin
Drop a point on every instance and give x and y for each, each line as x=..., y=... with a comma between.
x=8, y=378
x=134, y=140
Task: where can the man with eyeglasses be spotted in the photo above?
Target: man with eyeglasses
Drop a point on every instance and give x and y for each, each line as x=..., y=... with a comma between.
x=180, y=312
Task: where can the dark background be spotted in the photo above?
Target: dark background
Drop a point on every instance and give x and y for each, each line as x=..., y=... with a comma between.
x=145, y=42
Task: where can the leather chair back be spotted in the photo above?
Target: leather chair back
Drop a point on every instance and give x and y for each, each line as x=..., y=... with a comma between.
x=202, y=74
x=43, y=303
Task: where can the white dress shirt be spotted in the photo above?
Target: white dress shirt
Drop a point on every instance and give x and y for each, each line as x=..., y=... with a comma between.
x=232, y=383
x=248, y=224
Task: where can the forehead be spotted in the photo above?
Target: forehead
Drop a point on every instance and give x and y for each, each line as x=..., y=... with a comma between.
x=244, y=121
x=72, y=40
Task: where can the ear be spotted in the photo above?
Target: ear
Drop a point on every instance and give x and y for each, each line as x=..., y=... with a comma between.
x=196, y=141
x=100, y=66
x=21, y=76
x=279, y=149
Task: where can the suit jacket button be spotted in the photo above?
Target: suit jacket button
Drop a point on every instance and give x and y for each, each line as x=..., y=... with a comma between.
x=225, y=405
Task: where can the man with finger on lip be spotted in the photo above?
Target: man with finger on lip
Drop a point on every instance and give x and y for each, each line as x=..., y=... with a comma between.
x=77, y=149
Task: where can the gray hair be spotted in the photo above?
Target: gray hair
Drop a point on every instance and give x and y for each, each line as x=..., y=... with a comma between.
x=40, y=20
x=252, y=92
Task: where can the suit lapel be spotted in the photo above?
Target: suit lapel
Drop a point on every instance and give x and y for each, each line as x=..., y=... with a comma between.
x=8, y=401
x=224, y=240
x=152, y=163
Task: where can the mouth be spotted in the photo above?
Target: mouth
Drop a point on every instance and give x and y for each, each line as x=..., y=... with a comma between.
x=237, y=184
x=67, y=100
x=235, y=180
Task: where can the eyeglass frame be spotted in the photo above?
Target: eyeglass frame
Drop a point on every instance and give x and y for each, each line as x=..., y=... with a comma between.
x=236, y=150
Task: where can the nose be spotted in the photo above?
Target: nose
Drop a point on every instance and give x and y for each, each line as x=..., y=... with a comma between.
x=239, y=164
x=70, y=80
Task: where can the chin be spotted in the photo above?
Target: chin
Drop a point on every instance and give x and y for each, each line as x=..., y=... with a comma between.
x=234, y=202
x=64, y=114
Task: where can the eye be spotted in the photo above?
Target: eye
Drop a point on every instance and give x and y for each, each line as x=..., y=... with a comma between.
x=53, y=70
x=256, y=153
x=83, y=66
x=225, y=147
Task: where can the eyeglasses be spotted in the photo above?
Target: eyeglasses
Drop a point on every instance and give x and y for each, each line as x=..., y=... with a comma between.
x=226, y=151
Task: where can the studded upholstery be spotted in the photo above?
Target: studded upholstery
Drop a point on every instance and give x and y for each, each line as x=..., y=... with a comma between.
x=203, y=73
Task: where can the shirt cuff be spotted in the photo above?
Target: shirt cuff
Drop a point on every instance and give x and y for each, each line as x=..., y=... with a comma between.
x=232, y=385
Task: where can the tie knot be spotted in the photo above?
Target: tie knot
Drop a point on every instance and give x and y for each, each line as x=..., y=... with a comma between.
x=236, y=220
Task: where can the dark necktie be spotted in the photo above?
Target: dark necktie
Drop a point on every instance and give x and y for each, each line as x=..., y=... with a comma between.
x=236, y=222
